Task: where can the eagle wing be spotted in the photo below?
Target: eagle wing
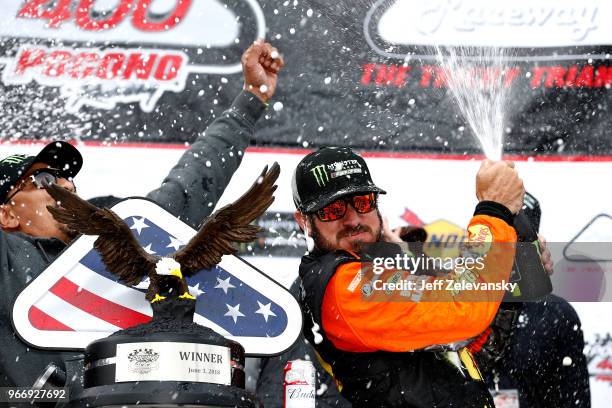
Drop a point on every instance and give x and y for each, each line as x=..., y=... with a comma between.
x=229, y=224
x=120, y=251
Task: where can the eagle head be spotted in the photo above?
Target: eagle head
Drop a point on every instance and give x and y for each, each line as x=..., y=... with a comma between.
x=168, y=267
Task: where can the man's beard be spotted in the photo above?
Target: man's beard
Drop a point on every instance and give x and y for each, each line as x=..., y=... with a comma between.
x=327, y=246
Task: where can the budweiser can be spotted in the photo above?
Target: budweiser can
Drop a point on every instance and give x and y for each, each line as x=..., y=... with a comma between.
x=299, y=384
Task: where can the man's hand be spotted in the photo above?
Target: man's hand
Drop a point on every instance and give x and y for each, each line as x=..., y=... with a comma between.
x=545, y=256
x=390, y=235
x=499, y=182
x=260, y=65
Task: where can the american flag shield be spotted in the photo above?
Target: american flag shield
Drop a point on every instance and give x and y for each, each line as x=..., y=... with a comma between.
x=76, y=300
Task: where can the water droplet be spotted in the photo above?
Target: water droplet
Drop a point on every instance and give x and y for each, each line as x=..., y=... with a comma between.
x=318, y=339
x=278, y=106
x=321, y=389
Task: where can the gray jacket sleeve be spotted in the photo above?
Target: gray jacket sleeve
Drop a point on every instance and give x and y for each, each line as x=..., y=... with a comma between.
x=195, y=184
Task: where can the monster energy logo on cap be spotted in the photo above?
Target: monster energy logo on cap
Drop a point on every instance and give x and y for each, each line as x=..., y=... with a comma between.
x=14, y=159
x=320, y=175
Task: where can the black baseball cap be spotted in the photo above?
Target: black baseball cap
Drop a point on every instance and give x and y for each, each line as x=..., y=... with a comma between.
x=327, y=174
x=60, y=155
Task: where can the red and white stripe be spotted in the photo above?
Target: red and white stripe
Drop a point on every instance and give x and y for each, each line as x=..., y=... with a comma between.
x=82, y=300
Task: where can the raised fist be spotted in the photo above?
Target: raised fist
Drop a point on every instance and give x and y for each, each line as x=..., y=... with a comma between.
x=260, y=65
x=499, y=182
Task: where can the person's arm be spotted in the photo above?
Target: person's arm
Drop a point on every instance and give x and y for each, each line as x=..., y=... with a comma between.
x=195, y=184
x=399, y=324
x=396, y=324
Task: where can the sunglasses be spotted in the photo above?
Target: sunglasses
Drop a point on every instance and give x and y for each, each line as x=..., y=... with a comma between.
x=363, y=204
x=40, y=178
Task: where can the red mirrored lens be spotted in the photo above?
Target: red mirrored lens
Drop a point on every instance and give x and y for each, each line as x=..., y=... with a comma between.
x=333, y=211
x=364, y=203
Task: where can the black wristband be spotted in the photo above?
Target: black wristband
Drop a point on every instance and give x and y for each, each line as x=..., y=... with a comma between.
x=495, y=210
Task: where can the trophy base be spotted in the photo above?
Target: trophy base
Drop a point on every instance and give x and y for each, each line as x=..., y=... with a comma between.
x=170, y=361
x=164, y=394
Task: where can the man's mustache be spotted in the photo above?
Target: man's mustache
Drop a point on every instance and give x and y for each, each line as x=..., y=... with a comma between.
x=353, y=230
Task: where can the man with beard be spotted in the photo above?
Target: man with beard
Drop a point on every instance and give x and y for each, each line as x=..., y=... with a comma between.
x=30, y=238
x=368, y=346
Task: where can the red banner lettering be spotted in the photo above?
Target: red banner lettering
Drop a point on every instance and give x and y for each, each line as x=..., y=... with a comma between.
x=142, y=21
x=29, y=58
x=603, y=77
x=84, y=65
x=86, y=22
x=168, y=67
x=40, y=9
x=56, y=63
x=110, y=66
x=138, y=64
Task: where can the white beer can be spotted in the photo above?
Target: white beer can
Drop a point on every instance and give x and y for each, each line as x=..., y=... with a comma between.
x=299, y=384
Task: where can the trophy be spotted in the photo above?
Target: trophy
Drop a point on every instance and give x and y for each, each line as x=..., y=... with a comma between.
x=169, y=360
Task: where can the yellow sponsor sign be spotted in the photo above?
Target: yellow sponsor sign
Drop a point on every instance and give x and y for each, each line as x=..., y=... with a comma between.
x=443, y=239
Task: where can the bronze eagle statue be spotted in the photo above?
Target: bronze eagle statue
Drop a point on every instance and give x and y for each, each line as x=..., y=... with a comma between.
x=125, y=258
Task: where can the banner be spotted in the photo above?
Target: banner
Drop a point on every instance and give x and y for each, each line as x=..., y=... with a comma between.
x=360, y=73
